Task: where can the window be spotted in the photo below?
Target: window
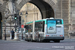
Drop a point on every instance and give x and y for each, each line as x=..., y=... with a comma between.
x=39, y=26
x=58, y=22
x=29, y=28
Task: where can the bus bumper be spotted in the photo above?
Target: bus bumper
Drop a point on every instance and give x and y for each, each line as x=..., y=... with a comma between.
x=54, y=38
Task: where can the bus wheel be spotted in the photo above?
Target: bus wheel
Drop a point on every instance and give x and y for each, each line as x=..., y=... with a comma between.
x=28, y=40
x=39, y=40
x=48, y=41
x=31, y=40
x=57, y=41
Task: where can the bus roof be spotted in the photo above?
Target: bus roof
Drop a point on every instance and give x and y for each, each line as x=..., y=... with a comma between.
x=36, y=21
x=39, y=20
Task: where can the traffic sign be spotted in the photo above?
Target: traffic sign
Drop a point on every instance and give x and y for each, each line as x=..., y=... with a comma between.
x=22, y=26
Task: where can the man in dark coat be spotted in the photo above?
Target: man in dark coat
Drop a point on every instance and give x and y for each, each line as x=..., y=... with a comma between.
x=12, y=33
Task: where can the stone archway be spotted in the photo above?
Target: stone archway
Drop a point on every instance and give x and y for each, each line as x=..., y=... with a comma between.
x=45, y=9
x=0, y=25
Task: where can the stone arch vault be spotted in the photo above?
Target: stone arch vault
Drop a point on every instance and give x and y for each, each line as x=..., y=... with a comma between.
x=45, y=9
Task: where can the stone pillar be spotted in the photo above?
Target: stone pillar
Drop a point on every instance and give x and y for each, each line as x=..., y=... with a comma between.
x=65, y=15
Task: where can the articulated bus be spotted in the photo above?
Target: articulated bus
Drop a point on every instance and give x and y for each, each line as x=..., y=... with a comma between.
x=45, y=30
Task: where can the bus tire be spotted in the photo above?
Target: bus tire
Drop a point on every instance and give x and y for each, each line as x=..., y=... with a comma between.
x=39, y=40
x=57, y=41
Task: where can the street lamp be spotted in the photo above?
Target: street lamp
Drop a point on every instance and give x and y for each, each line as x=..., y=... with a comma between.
x=26, y=15
x=26, y=20
x=22, y=20
x=5, y=24
x=5, y=29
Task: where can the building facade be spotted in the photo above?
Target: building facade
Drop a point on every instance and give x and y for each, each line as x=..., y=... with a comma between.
x=39, y=9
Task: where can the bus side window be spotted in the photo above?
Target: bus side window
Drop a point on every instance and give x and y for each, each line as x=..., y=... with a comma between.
x=39, y=26
x=26, y=27
x=30, y=28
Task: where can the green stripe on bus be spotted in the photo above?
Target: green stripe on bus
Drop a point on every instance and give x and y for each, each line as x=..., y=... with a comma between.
x=37, y=21
x=62, y=21
x=29, y=22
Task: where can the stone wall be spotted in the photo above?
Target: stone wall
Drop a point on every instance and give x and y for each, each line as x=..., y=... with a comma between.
x=72, y=15
x=64, y=9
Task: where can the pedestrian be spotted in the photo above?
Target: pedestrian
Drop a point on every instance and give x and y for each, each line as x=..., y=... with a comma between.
x=12, y=33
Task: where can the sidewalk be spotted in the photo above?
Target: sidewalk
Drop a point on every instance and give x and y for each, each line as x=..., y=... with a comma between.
x=8, y=38
x=72, y=37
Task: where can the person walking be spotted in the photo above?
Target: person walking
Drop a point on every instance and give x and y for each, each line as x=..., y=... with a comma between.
x=12, y=33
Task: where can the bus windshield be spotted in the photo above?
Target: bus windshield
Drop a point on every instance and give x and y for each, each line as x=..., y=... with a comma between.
x=58, y=21
x=51, y=25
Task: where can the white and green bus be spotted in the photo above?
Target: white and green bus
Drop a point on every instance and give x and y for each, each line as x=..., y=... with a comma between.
x=45, y=30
